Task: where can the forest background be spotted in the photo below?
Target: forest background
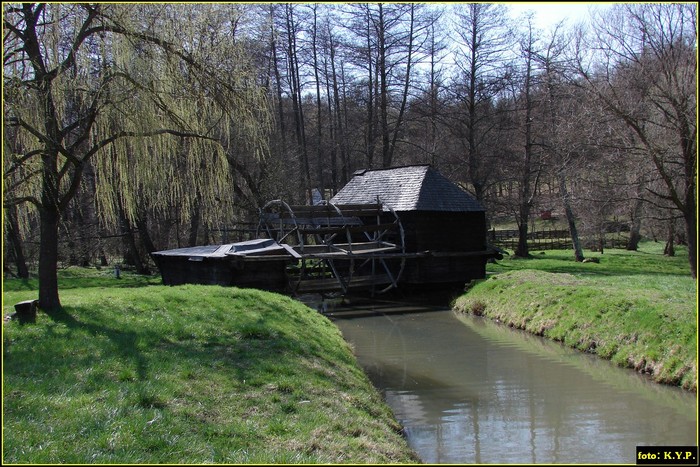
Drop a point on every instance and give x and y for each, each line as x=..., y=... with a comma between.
x=133, y=128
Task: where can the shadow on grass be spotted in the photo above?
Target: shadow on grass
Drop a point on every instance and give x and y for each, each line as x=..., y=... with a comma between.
x=48, y=351
x=64, y=355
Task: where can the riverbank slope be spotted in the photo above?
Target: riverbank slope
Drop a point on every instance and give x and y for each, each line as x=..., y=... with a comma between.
x=637, y=309
x=137, y=373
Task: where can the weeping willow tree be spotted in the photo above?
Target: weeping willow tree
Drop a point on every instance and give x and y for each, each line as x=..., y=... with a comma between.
x=145, y=94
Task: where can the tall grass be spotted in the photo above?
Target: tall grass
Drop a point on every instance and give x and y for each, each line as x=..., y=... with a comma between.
x=138, y=373
x=637, y=309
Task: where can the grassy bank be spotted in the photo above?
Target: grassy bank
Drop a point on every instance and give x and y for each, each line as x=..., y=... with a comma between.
x=140, y=373
x=637, y=309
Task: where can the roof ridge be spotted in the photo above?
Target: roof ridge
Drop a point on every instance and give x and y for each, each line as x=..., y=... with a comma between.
x=407, y=189
x=365, y=170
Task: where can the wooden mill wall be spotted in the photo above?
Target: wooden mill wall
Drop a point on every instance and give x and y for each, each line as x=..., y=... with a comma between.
x=444, y=233
x=269, y=275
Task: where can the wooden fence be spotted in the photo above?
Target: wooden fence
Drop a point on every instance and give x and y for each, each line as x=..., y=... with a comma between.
x=553, y=240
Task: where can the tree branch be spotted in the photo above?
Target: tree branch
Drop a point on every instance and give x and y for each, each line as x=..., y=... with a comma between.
x=7, y=202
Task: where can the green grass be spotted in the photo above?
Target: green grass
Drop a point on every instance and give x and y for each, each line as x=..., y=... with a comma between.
x=637, y=309
x=78, y=278
x=139, y=373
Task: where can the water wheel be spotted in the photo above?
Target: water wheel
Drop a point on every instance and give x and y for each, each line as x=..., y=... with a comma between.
x=337, y=247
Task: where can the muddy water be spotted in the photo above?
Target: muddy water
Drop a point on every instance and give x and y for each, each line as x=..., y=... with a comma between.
x=468, y=390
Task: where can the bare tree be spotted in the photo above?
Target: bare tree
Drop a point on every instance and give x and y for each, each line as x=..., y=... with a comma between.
x=337, y=77
x=387, y=41
x=482, y=51
x=293, y=33
x=429, y=102
x=560, y=125
x=642, y=67
x=528, y=164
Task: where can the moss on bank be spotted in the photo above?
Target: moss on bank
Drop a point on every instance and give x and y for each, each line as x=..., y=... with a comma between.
x=193, y=374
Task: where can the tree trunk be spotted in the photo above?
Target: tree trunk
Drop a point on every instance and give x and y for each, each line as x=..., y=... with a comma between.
x=522, y=250
x=571, y=220
x=48, y=261
x=339, y=117
x=144, y=235
x=691, y=229
x=49, y=210
x=527, y=189
x=635, y=235
x=404, y=96
x=131, y=255
x=278, y=81
x=332, y=133
x=669, y=249
x=383, y=73
x=194, y=227
x=473, y=162
x=16, y=242
x=371, y=95
x=297, y=104
x=636, y=224
x=575, y=240
x=319, y=117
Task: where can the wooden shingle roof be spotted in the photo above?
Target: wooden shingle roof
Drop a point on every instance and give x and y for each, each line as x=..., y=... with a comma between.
x=410, y=188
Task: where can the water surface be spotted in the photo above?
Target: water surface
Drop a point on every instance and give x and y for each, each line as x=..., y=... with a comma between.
x=468, y=390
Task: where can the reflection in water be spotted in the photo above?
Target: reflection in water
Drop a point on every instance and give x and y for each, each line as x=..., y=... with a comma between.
x=469, y=391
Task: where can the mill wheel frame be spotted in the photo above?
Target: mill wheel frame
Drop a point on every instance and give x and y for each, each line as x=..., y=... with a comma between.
x=338, y=247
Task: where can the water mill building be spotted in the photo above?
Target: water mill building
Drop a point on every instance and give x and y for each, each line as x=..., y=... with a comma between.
x=387, y=228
